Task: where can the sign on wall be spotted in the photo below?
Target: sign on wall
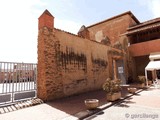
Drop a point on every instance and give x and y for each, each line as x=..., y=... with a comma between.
x=120, y=69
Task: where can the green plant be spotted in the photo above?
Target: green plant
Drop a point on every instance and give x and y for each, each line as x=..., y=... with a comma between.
x=111, y=86
x=141, y=79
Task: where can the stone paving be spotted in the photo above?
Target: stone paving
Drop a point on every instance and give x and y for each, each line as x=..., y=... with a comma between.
x=142, y=106
x=73, y=108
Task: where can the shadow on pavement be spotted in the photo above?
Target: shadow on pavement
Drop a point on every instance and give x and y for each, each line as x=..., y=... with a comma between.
x=75, y=104
x=125, y=103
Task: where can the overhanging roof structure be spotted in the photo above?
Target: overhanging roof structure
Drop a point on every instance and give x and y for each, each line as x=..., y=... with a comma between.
x=145, y=26
x=153, y=65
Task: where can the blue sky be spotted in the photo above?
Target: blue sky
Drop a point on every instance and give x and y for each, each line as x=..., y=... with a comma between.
x=19, y=20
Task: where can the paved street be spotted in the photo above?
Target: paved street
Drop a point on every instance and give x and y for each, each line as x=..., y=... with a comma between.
x=142, y=106
x=127, y=111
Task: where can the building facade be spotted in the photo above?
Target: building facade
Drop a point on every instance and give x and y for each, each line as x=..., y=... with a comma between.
x=70, y=64
x=144, y=39
x=16, y=72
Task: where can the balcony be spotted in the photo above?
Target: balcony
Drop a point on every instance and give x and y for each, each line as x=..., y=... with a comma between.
x=144, y=48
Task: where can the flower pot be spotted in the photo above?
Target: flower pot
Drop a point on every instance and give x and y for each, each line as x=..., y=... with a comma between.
x=91, y=103
x=132, y=90
x=114, y=96
x=142, y=85
x=149, y=82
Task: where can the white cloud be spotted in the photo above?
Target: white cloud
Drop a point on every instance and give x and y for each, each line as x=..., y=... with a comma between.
x=66, y=25
x=152, y=5
x=155, y=7
x=19, y=29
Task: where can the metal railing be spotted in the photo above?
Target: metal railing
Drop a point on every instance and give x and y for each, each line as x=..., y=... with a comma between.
x=17, y=81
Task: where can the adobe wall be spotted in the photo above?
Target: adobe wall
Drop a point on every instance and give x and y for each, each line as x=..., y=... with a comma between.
x=68, y=64
x=84, y=62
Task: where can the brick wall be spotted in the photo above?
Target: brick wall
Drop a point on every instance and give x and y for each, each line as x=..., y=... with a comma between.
x=141, y=62
x=144, y=48
x=112, y=28
x=68, y=64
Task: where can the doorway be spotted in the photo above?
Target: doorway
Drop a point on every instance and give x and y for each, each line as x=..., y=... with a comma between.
x=121, y=71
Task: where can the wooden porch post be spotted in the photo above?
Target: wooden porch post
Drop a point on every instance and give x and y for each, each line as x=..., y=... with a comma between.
x=115, y=69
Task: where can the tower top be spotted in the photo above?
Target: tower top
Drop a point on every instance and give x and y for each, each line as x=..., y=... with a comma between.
x=46, y=20
x=46, y=12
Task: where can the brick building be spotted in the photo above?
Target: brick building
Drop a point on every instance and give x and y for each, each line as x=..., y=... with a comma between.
x=144, y=39
x=13, y=72
x=70, y=64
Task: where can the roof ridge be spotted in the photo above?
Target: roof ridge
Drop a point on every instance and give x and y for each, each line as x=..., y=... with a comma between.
x=128, y=12
x=47, y=12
